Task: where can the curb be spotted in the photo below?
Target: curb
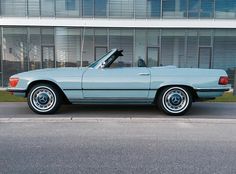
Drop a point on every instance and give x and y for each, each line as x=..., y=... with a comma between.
x=117, y=120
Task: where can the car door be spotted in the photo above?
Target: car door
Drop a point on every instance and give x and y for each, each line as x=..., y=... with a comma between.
x=116, y=83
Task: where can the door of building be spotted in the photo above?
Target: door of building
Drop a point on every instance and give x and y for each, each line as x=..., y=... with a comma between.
x=48, y=56
x=204, y=57
x=100, y=51
x=152, y=56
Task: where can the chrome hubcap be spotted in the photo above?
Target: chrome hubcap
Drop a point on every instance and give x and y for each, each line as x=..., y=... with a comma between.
x=43, y=99
x=175, y=100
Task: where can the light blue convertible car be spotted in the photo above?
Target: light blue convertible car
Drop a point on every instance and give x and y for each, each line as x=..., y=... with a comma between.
x=108, y=81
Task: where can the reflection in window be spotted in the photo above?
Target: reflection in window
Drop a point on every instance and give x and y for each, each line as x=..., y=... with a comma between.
x=123, y=40
x=67, y=8
x=140, y=8
x=100, y=8
x=174, y=8
x=13, y=7
x=33, y=8
x=122, y=8
x=194, y=6
x=67, y=43
x=207, y=7
x=225, y=9
x=34, y=49
x=173, y=46
x=153, y=8
x=48, y=49
x=47, y=8
x=70, y=4
x=15, y=52
x=88, y=8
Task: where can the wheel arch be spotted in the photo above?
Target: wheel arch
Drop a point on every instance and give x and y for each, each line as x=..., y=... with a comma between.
x=190, y=88
x=33, y=83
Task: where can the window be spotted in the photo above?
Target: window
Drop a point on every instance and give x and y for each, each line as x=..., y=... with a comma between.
x=100, y=8
x=47, y=8
x=207, y=7
x=67, y=42
x=88, y=8
x=33, y=8
x=174, y=8
x=70, y=4
x=15, y=52
x=34, y=48
x=122, y=8
x=225, y=9
x=140, y=8
x=13, y=7
x=153, y=8
x=194, y=7
x=67, y=8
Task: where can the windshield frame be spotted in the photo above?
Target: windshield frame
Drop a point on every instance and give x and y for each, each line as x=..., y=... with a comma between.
x=97, y=64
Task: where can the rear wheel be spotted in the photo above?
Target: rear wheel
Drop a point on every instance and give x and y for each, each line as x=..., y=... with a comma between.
x=44, y=99
x=174, y=100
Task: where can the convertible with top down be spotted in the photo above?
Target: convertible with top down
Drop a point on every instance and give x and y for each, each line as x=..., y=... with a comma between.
x=109, y=81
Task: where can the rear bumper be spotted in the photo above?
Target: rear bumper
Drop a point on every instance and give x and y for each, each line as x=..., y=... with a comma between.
x=212, y=90
x=204, y=93
x=17, y=92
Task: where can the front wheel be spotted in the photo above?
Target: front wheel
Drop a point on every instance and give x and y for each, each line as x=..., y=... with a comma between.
x=174, y=100
x=44, y=99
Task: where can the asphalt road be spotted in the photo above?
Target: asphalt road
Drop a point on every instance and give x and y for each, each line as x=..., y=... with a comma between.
x=198, y=110
x=115, y=139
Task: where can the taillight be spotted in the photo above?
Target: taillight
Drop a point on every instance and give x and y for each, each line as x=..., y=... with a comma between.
x=224, y=80
x=13, y=82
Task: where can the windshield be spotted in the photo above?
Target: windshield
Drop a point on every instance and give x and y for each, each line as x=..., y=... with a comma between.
x=92, y=65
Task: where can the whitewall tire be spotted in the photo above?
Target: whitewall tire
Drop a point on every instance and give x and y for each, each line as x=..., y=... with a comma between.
x=175, y=100
x=44, y=99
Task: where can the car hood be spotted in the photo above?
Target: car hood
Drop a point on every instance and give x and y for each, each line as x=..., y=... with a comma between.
x=50, y=72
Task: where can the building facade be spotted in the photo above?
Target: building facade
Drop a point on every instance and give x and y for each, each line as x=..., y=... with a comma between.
x=38, y=34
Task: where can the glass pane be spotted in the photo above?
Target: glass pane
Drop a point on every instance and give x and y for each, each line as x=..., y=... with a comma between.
x=205, y=37
x=47, y=8
x=47, y=36
x=67, y=41
x=67, y=8
x=153, y=36
x=194, y=8
x=224, y=51
x=100, y=51
x=48, y=57
x=225, y=9
x=13, y=8
x=100, y=37
x=88, y=8
x=88, y=47
x=173, y=48
x=152, y=56
x=174, y=8
x=140, y=46
x=207, y=7
x=33, y=8
x=101, y=8
x=204, y=57
x=34, y=48
x=140, y=8
x=1, y=77
x=122, y=8
x=123, y=39
x=15, y=52
x=153, y=8
x=192, y=49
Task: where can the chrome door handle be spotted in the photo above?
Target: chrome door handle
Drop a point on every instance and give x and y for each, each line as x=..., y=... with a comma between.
x=144, y=74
